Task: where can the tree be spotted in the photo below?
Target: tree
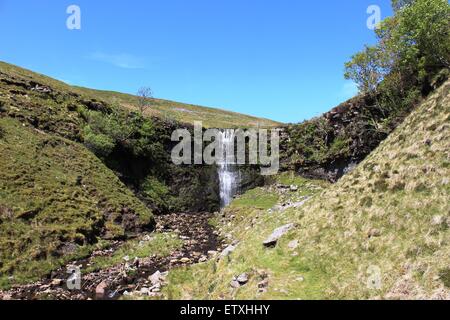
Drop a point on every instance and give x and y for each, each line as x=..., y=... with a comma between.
x=423, y=35
x=413, y=46
x=366, y=69
x=400, y=4
x=145, y=94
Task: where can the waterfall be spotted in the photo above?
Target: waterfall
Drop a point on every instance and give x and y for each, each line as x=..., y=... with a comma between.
x=228, y=175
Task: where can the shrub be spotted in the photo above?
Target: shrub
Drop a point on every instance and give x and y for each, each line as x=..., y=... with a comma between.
x=156, y=193
x=100, y=144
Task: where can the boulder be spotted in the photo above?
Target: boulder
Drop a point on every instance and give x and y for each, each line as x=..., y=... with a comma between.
x=185, y=260
x=227, y=251
x=242, y=279
x=155, y=278
x=100, y=290
x=272, y=240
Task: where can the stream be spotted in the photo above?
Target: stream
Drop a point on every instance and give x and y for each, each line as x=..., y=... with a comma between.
x=194, y=230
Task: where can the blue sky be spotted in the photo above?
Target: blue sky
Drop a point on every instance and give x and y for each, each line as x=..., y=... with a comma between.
x=279, y=59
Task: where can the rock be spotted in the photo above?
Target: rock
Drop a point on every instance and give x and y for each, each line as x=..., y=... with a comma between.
x=227, y=251
x=277, y=234
x=126, y=258
x=300, y=279
x=164, y=274
x=156, y=288
x=155, y=278
x=212, y=253
x=100, y=290
x=57, y=282
x=242, y=279
x=6, y=297
x=147, y=238
x=263, y=285
x=174, y=261
x=185, y=260
x=373, y=233
x=293, y=244
x=293, y=188
x=234, y=284
x=203, y=259
x=144, y=291
x=445, y=181
x=437, y=220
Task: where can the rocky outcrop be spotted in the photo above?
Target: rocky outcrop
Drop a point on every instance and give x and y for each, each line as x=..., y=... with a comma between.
x=272, y=240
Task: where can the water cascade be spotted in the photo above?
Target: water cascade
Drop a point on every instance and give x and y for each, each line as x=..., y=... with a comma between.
x=227, y=170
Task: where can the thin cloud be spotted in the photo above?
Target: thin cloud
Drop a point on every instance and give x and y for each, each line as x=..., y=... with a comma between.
x=122, y=60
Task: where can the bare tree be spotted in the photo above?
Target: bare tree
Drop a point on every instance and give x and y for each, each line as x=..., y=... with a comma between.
x=145, y=94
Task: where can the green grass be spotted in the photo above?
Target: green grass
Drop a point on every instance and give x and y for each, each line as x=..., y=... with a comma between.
x=256, y=198
x=55, y=192
x=186, y=113
x=251, y=225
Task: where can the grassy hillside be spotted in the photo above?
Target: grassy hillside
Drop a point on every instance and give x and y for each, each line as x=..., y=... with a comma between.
x=181, y=112
x=388, y=220
x=57, y=201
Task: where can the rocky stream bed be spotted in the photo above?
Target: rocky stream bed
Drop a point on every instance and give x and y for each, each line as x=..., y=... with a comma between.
x=135, y=277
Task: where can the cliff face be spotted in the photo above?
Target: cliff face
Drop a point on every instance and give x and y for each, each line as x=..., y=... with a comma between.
x=331, y=145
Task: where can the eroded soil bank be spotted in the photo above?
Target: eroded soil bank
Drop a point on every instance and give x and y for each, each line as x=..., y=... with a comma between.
x=132, y=276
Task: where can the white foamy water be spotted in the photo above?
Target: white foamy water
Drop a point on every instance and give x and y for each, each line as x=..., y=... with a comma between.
x=228, y=175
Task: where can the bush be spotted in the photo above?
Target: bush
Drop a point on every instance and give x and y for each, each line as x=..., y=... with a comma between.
x=157, y=194
x=100, y=144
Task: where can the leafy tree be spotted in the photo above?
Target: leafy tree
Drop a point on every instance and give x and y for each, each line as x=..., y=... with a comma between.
x=399, y=4
x=422, y=36
x=366, y=69
x=413, y=45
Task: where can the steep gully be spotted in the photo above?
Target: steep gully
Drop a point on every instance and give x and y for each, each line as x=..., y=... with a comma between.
x=199, y=241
